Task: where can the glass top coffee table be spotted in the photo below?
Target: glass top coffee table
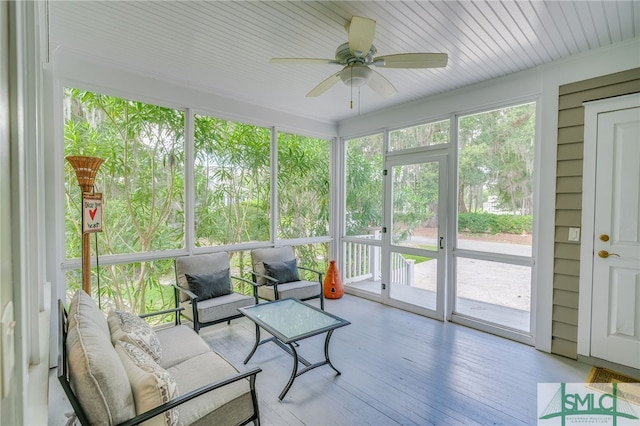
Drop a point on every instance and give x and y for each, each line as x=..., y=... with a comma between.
x=289, y=321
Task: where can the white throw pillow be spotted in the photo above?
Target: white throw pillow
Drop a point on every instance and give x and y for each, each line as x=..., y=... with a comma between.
x=128, y=327
x=151, y=384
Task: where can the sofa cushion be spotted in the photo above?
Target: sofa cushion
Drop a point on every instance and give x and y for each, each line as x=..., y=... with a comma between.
x=228, y=405
x=151, y=384
x=98, y=377
x=180, y=343
x=210, y=285
x=131, y=328
x=83, y=304
x=283, y=272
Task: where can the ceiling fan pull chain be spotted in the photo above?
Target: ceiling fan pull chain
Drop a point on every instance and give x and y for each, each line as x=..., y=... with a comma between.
x=351, y=86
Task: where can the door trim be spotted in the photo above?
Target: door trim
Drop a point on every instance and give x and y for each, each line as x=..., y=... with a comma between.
x=591, y=111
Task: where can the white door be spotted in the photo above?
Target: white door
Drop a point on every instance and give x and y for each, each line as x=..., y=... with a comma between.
x=413, y=250
x=615, y=313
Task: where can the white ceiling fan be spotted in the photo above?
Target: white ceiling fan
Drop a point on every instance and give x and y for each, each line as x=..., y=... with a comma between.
x=358, y=54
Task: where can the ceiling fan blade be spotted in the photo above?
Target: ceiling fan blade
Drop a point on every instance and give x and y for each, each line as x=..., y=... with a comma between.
x=412, y=60
x=324, y=85
x=361, y=33
x=302, y=61
x=381, y=85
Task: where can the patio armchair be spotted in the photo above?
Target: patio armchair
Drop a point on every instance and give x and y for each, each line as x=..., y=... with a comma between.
x=276, y=272
x=204, y=288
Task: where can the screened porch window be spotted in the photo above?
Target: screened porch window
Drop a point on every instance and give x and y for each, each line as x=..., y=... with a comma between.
x=493, y=257
x=303, y=186
x=232, y=179
x=147, y=194
x=141, y=179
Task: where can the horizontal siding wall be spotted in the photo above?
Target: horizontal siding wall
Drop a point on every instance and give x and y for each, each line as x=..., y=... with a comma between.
x=570, y=152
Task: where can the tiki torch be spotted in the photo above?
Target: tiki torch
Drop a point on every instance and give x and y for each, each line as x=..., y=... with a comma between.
x=86, y=169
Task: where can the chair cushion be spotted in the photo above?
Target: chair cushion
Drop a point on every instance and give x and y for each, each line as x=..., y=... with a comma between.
x=131, y=328
x=278, y=254
x=219, y=307
x=97, y=375
x=299, y=289
x=284, y=272
x=198, y=264
x=228, y=405
x=210, y=285
x=151, y=384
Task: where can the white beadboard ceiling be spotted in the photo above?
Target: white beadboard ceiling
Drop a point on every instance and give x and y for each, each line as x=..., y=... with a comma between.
x=224, y=47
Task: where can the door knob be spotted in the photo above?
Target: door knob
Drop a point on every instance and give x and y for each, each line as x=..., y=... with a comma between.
x=604, y=237
x=604, y=254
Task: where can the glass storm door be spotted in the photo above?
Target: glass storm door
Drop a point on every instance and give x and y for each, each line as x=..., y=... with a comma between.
x=413, y=244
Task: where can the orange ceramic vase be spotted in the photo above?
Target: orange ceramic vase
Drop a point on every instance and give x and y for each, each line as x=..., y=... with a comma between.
x=333, y=288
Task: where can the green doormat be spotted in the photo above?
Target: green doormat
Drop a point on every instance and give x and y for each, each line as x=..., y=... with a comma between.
x=602, y=378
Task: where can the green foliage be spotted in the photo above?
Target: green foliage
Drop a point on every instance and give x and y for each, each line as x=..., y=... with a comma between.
x=481, y=223
x=415, y=197
x=232, y=182
x=496, y=153
x=303, y=186
x=314, y=256
x=141, y=178
x=142, y=183
x=419, y=136
x=136, y=287
x=364, y=183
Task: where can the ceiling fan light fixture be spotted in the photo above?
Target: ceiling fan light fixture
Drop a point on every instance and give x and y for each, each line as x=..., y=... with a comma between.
x=355, y=75
x=357, y=55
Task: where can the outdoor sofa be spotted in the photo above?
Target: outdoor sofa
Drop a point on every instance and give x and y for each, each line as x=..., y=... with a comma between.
x=118, y=370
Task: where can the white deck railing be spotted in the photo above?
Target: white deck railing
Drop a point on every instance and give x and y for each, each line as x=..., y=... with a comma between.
x=362, y=262
x=402, y=270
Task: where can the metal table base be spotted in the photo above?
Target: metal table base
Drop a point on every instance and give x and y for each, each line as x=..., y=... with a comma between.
x=291, y=350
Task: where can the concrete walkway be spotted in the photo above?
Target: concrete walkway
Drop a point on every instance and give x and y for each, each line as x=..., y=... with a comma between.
x=496, y=283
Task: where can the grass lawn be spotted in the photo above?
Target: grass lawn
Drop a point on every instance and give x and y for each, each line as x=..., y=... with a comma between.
x=419, y=259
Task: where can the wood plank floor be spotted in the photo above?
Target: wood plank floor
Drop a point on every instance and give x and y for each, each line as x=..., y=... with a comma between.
x=397, y=369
